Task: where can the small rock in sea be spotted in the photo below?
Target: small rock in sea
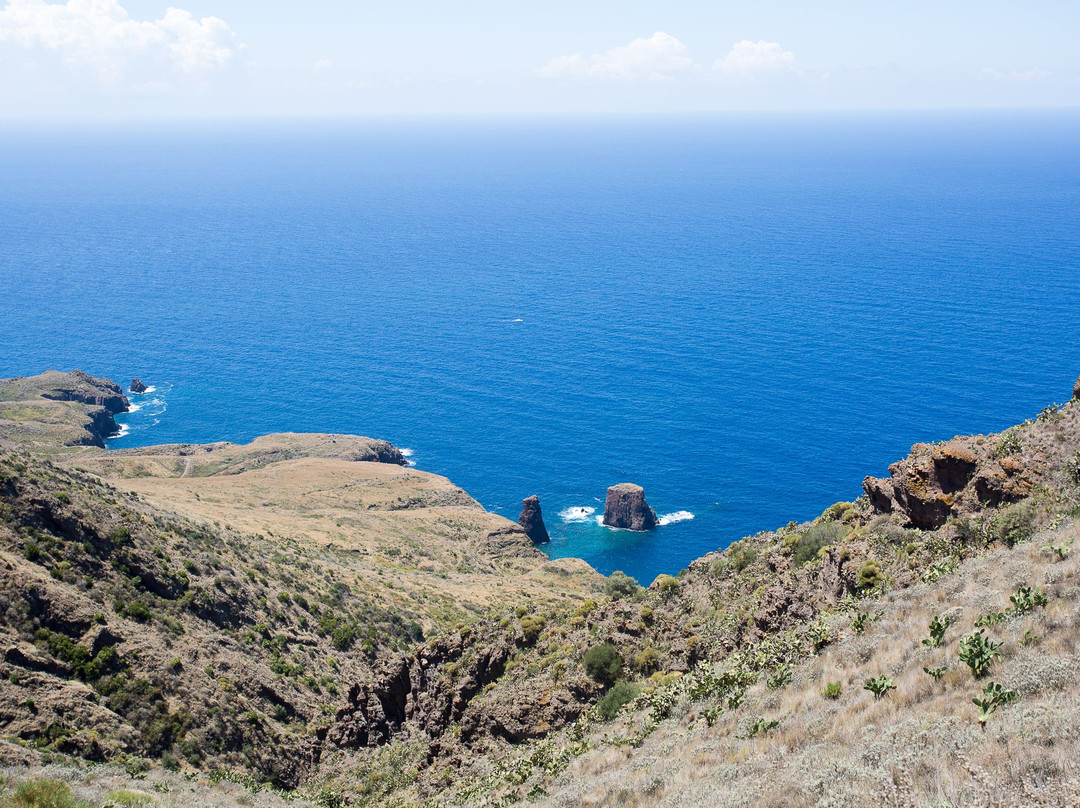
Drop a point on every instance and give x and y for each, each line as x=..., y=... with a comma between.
x=533, y=520
x=137, y=386
x=625, y=507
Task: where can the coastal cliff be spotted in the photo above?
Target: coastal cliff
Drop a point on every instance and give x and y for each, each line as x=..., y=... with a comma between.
x=306, y=611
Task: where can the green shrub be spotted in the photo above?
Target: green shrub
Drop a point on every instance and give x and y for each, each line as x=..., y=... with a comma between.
x=761, y=726
x=977, y=651
x=742, y=555
x=810, y=544
x=879, y=685
x=1014, y=524
x=647, y=660
x=43, y=794
x=32, y=552
x=779, y=678
x=130, y=799
x=869, y=575
x=615, y=698
x=620, y=585
x=935, y=673
x=666, y=584
x=603, y=663
x=832, y=690
x=989, y=619
x=531, y=627
x=862, y=619
x=120, y=536
x=137, y=610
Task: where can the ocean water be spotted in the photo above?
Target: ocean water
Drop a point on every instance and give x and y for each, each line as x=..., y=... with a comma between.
x=746, y=315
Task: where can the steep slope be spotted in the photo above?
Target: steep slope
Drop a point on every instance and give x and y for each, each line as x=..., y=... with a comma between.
x=743, y=638
x=213, y=612
x=275, y=644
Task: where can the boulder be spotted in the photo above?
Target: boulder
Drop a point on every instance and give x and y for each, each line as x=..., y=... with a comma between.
x=137, y=386
x=533, y=520
x=625, y=507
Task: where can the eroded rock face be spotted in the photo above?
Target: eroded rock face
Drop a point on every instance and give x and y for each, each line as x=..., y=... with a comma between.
x=939, y=481
x=1076, y=389
x=625, y=507
x=137, y=386
x=84, y=388
x=410, y=689
x=532, y=520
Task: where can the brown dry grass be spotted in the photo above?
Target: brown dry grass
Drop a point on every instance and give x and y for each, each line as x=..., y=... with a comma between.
x=414, y=538
x=920, y=745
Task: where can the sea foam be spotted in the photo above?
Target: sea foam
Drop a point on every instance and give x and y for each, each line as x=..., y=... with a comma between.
x=578, y=513
x=677, y=516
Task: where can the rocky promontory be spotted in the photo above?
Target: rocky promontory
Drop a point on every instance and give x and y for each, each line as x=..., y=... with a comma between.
x=532, y=520
x=625, y=507
x=60, y=409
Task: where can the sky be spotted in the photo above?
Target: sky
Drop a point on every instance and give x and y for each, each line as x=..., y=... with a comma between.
x=235, y=58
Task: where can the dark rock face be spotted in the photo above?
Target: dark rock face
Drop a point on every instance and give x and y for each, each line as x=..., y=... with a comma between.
x=533, y=520
x=1076, y=389
x=411, y=689
x=625, y=507
x=137, y=386
x=82, y=387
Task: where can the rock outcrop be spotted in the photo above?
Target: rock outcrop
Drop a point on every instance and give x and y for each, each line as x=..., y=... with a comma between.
x=84, y=388
x=533, y=520
x=939, y=481
x=137, y=386
x=1076, y=389
x=68, y=409
x=625, y=507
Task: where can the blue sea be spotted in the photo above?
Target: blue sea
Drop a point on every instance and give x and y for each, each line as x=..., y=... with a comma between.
x=746, y=314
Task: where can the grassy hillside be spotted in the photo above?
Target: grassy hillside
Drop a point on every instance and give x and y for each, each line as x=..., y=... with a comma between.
x=245, y=615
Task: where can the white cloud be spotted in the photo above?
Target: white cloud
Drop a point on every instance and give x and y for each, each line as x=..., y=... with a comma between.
x=747, y=59
x=98, y=38
x=661, y=57
x=1015, y=75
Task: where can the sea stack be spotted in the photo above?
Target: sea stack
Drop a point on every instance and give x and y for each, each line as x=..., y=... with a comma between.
x=1076, y=389
x=533, y=520
x=625, y=507
x=137, y=386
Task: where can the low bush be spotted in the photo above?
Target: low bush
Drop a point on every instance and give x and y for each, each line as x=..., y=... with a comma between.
x=1014, y=524
x=622, y=693
x=531, y=627
x=808, y=545
x=43, y=794
x=937, y=631
x=603, y=663
x=742, y=555
x=869, y=575
x=832, y=690
x=620, y=585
